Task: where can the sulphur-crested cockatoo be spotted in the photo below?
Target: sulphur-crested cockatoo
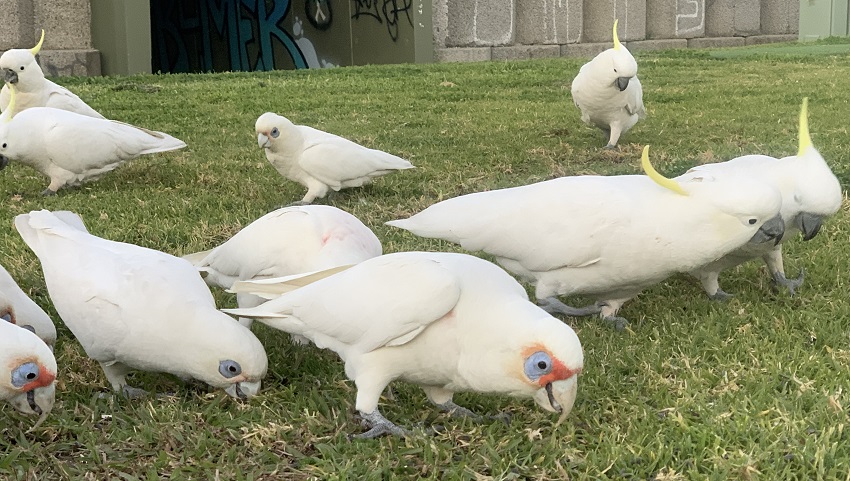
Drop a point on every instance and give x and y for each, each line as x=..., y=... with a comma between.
x=605, y=237
x=27, y=371
x=810, y=192
x=16, y=307
x=447, y=322
x=609, y=93
x=71, y=148
x=20, y=69
x=136, y=308
x=319, y=160
x=287, y=241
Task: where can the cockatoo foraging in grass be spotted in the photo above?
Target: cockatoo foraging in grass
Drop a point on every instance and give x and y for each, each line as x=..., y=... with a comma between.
x=292, y=240
x=71, y=148
x=17, y=308
x=137, y=308
x=319, y=160
x=609, y=93
x=605, y=237
x=27, y=371
x=19, y=68
x=810, y=192
x=447, y=322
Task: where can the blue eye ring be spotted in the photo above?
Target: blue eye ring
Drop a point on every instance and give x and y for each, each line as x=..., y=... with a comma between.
x=538, y=365
x=229, y=368
x=7, y=316
x=275, y=133
x=25, y=374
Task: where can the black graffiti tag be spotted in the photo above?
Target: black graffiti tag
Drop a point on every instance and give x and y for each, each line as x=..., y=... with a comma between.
x=390, y=11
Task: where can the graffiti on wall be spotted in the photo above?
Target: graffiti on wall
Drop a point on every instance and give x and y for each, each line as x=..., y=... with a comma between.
x=690, y=17
x=222, y=35
x=388, y=12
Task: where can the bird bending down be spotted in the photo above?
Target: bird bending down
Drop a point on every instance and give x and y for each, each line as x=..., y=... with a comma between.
x=134, y=308
x=17, y=308
x=27, y=372
x=70, y=148
x=810, y=192
x=446, y=322
x=20, y=69
x=608, y=92
x=318, y=160
x=612, y=237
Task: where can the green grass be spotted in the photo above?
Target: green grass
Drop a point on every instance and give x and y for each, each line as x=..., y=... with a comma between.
x=748, y=389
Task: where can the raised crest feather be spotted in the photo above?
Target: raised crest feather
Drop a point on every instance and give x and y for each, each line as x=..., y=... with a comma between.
x=617, y=44
x=805, y=139
x=37, y=48
x=658, y=178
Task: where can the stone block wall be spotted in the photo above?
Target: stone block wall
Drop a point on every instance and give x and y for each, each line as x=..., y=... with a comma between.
x=67, y=48
x=471, y=30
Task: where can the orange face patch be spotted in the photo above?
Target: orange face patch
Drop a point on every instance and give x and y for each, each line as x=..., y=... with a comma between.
x=45, y=378
x=559, y=370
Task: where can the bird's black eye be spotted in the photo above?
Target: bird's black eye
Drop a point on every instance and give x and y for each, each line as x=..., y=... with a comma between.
x=275, y=132
x=615, y=70
x=537, y=365
x=229, y=368
x=25, y=374
x=4, y=145
x=752, y=221
x=22, y=67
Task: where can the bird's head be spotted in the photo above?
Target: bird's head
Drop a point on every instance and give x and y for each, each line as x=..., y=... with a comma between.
x=29, y=317
x=27, y=371
x=20, y=68
x=271, y=130
x=623, y=66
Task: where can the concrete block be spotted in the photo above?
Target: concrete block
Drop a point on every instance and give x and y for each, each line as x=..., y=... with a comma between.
x=18, y=31
x=60, y=63
x=67, y=23
x=715, y=42
x=516, y=52
x=732, y=18
x=463, y=54
x=675, y=18
x=665, y=44
x=780, y=17
x=440, y=23
x=479, y=22
x=760, y=39
x=584, y=50
x=599, y=18
x=548, y=21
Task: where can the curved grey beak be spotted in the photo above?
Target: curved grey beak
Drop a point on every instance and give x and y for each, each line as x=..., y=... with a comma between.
x=809, y=224
x=622, y=83
x=773, y=230
x=4, y=161
x=10, y=76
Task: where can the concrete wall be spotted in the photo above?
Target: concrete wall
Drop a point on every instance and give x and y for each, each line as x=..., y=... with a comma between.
x=468, y=30
x=67, y=48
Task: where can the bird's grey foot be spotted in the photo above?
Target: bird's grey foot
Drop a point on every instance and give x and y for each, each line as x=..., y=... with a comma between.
x=379, y=426
x=610, y=147
x=131, y=392
x=456, y=411
x=554, y=306
x=47, y=192
x=779, y=280
x=617, y=322
x=720, y=296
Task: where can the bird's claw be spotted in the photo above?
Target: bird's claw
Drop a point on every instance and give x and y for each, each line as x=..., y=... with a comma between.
x=618, y=323
x=379, y=426
x=720, y=296
x=780, y=280
x=47, y=192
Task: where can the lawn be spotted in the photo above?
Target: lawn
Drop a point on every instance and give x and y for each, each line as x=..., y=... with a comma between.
x=753, y=388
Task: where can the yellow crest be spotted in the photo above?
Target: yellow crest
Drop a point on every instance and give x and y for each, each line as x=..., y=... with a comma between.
x=37, y=48
x=617, y=45
x=805, y=140
x=658, y=178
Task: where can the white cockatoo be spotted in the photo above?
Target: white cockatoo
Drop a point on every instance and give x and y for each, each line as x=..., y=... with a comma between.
x=609, y=93
x=287, y=241
x=447, y=322
x=136, y=308
x=605, y=237
x=319, y=160
x=71, y=148
x=27, y=371
x=810, y=192
x=20, y=69
x=16, y=307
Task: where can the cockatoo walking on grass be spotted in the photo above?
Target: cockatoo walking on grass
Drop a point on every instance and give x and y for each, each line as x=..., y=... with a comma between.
x=318, y=160
x=609, y=93
x=810, y=192
x=447, y=322
x=20, y=69
x=134, y=308
x=605, y=237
